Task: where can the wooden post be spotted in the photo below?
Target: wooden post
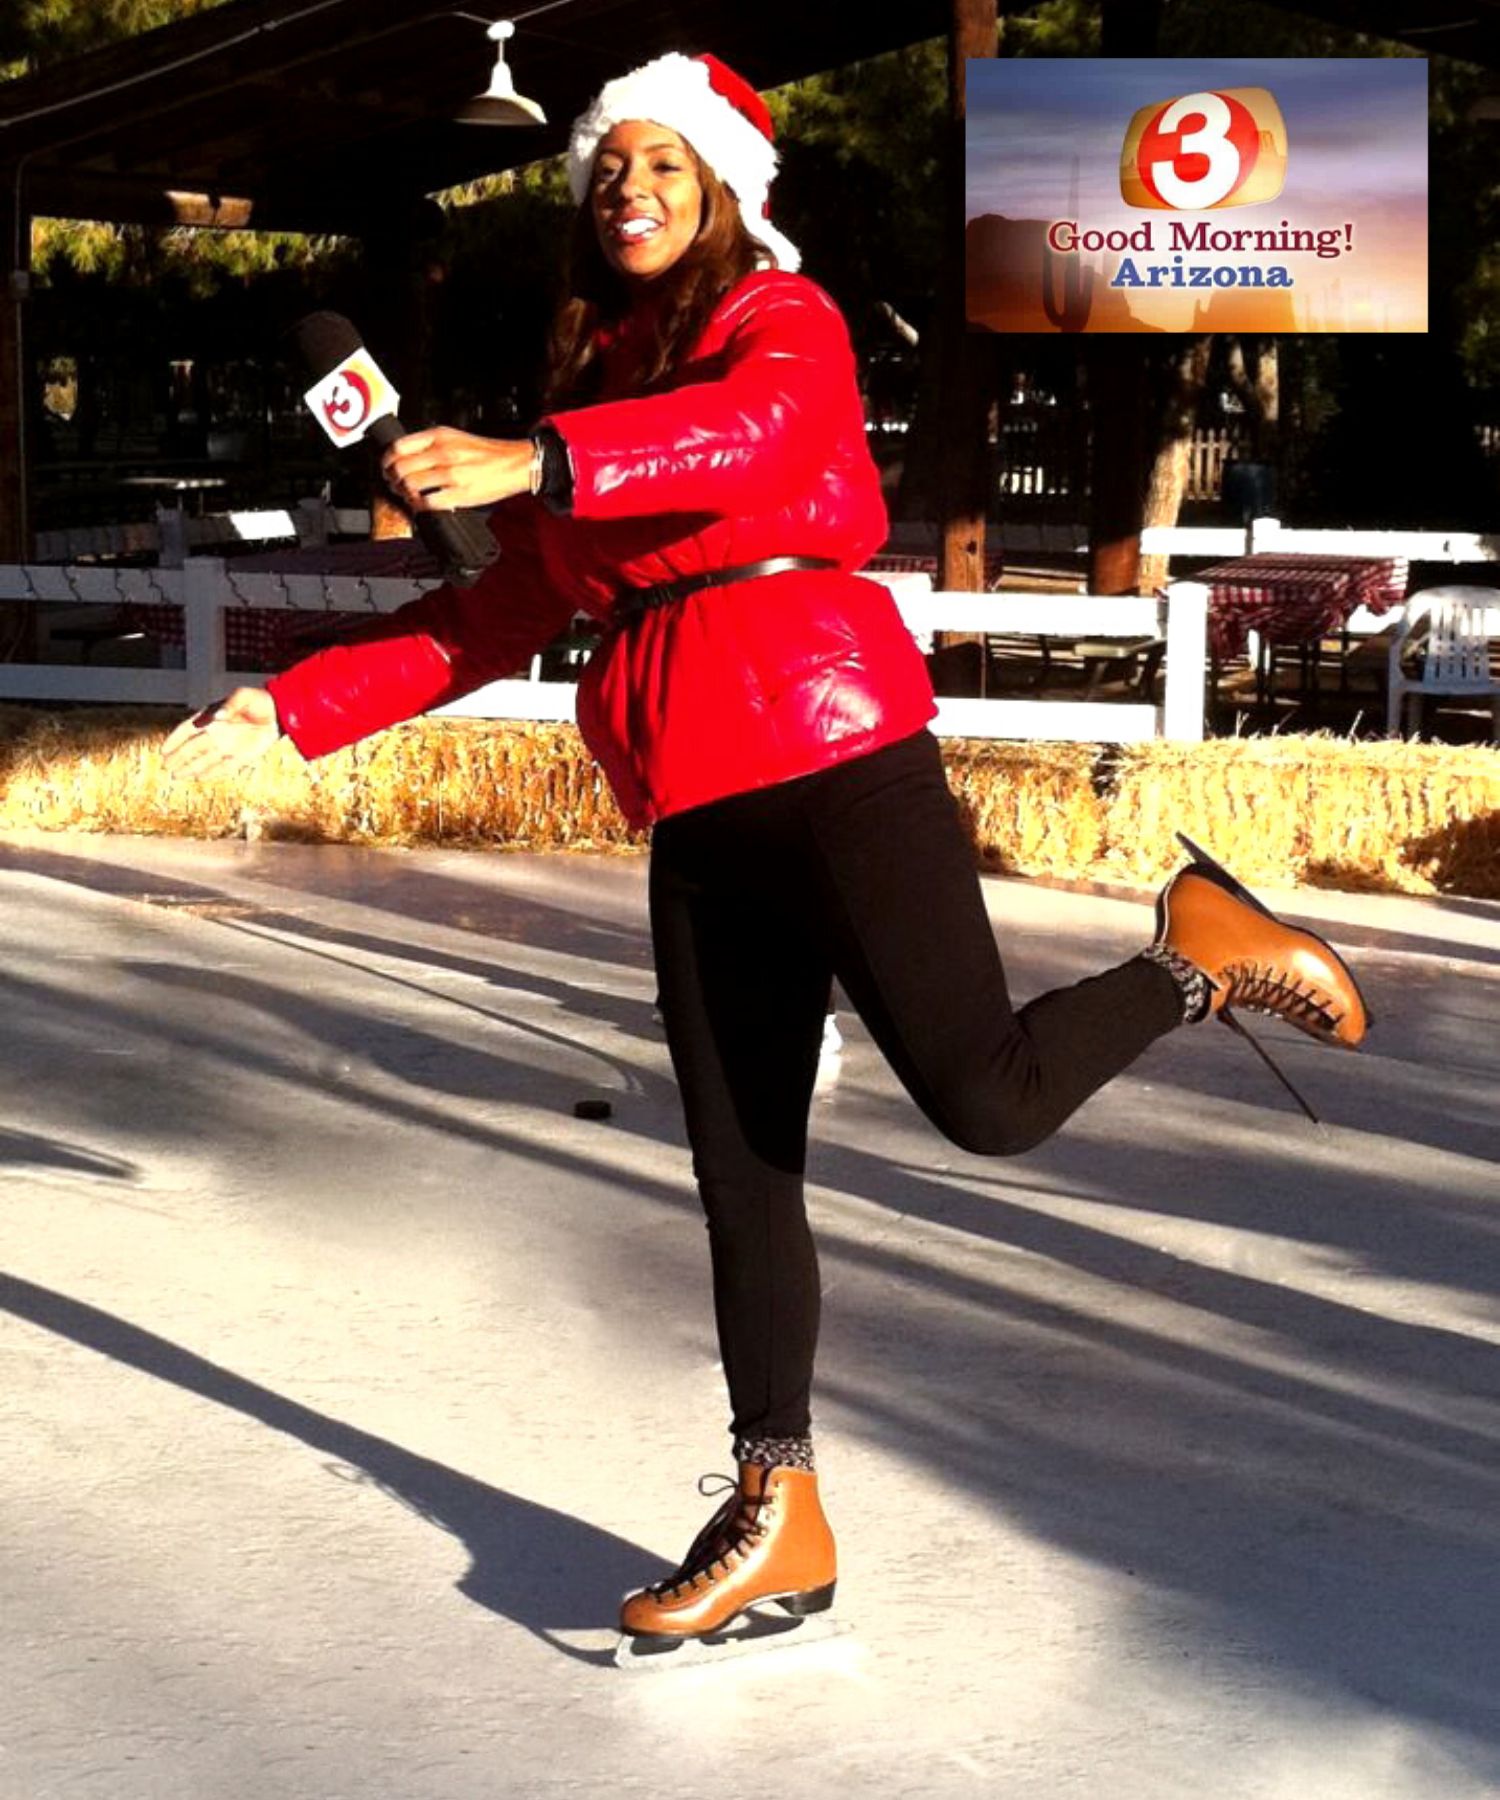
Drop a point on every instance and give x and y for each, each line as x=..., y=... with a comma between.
x=961, y=464
x=1184, y=624
x=15, y=278
x=401, y=269
x=203, y=592
x=1117, y=462
x=964, y=385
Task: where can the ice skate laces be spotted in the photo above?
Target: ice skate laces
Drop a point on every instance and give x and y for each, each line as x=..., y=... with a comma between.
x=731, y=1531
x=1258, y=987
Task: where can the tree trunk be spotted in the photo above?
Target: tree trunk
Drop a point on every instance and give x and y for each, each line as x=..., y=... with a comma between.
x=1268, y=401
x=15, y=262
x=1169, y=471
x=1116, y=369
x=18, y=624
x=1258, y=386
x=400, y=273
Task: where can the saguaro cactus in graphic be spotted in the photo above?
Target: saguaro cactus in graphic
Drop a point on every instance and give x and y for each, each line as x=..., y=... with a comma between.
x=1071, y=311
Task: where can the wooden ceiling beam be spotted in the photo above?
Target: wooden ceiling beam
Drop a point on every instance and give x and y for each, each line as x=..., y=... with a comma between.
x=135, y=200
x=249, y=132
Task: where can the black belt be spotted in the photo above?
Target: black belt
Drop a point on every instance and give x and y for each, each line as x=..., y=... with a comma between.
x=631, y=603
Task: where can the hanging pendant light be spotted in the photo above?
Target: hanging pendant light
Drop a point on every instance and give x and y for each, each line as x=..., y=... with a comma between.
x=500, y=104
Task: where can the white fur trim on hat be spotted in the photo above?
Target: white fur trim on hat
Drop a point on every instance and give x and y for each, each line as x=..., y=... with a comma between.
x=675, y=91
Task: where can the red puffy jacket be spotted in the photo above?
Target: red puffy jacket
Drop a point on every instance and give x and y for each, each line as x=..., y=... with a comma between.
x=757, y=449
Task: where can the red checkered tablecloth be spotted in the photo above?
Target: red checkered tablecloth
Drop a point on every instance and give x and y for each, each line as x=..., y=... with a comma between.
x=1293, y=598
x=268, y=638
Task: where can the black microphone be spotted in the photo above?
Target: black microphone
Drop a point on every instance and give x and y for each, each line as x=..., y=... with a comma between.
x=352, y=400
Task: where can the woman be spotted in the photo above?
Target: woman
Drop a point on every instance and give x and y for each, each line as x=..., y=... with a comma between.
x=702, y=485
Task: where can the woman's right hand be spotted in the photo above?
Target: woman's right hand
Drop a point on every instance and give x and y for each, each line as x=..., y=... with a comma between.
x=230, y=734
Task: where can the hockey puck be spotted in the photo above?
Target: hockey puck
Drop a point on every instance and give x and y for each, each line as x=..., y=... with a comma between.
x=592, y=1109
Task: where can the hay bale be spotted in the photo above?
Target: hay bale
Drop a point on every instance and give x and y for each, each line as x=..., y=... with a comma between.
x=1412, y=817
x=1380, y=815
x=102, y=771
x=1031, y=809
x=432, y=781
x=524, y=786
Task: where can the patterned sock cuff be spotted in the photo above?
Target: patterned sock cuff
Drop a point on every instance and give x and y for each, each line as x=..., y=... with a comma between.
x=775, y=1452
x=1193, y=986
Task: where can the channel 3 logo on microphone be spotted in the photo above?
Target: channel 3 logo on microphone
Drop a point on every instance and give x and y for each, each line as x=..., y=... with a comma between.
x=1220, y=147
x=349, y=399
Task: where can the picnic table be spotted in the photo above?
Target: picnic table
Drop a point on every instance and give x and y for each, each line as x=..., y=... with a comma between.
x=1291, y=598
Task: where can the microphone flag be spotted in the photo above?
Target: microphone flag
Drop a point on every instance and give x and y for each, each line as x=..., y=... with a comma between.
x=350, y=398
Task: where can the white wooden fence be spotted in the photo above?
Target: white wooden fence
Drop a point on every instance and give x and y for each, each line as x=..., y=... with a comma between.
x=1063, y=538
x=1263, y=535
x=206, y=590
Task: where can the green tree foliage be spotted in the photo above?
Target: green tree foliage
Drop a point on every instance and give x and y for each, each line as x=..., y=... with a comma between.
x=1052, y=28
x=502, y=254
x=862, y=189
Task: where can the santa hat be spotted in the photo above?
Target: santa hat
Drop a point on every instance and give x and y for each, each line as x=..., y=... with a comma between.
x=719, y=114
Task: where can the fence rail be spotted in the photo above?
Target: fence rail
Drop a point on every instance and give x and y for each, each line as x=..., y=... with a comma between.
x=207, y=589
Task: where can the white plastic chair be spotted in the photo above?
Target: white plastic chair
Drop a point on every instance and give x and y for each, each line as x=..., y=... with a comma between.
x=1459, y=625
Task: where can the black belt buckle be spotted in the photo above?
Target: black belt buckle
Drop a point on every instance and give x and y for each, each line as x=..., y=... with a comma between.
x=633, y=602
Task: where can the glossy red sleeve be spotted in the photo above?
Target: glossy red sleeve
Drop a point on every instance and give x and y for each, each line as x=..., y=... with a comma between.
x=430, y=651
x=762, y=422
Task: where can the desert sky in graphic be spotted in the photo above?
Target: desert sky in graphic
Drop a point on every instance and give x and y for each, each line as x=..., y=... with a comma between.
x=1043, y=144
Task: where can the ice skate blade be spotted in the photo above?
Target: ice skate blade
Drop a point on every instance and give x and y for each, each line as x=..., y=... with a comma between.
x=752, y=1634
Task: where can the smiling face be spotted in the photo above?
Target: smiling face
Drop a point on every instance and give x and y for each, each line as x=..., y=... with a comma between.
x=646, y=198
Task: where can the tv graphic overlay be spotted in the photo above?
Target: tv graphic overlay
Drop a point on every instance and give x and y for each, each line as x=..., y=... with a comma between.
x=1196, y=195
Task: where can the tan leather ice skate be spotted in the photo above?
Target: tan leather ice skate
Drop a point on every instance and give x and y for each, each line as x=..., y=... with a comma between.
x=768, y=1541
x=1256, y=962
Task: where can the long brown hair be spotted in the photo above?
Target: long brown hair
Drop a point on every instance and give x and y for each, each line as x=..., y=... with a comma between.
x=597, y=295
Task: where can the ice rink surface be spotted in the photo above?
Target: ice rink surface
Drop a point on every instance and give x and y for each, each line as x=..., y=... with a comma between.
x=349, y=1379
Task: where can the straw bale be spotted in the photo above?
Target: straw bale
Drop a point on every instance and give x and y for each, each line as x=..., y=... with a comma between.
x=1031, y=809
x=1382, y=815
x=1331, y=812
x=449, y=781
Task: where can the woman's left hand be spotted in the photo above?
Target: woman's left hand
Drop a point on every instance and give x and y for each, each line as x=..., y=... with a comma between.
x=438, y=470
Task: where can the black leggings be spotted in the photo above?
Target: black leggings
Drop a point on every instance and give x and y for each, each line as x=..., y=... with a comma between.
x=863, y=872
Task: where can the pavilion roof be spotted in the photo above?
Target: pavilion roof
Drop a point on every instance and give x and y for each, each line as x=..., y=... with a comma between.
x=324, y=114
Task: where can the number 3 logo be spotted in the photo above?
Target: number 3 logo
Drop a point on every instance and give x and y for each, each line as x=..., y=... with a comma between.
x=348, y=402
x=1224, y=147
